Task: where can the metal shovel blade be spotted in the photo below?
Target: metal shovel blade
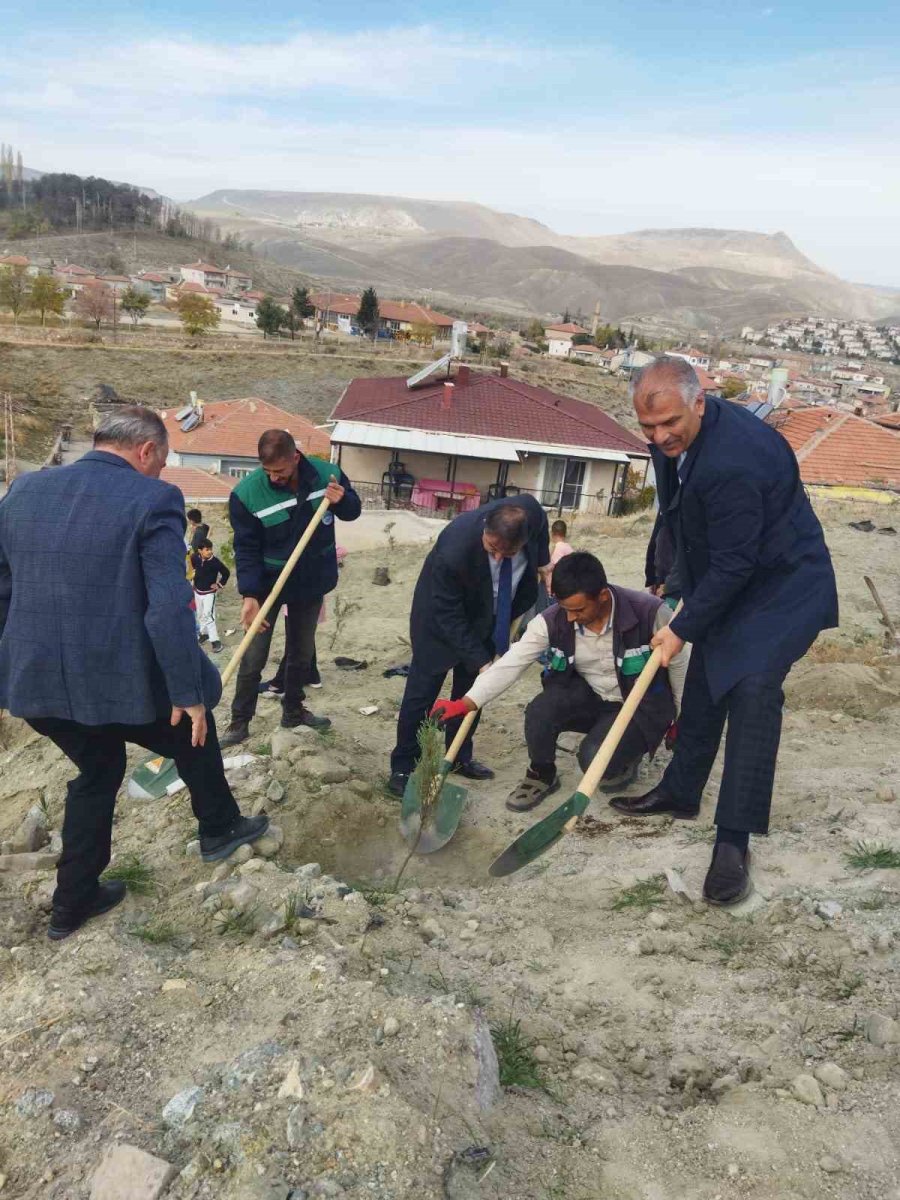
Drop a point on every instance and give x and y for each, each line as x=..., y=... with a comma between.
x=539, y=838
x=150, y=781
x=442, y=822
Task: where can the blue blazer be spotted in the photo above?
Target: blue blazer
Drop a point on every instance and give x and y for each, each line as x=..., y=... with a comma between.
x=756, y=575
x=95, y=623
x=452, y=617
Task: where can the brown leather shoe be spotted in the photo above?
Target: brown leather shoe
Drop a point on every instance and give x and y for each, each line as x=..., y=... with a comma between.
x=728, y=878
x=652, y=804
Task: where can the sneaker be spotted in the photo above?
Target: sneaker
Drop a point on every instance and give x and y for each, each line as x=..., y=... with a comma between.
x=315, y=685
x=305, y=717
x=217, y=647
x=396, y=785
x=236, y=733
x=267, y=688
x=64, y=921
x=204, y=637
x=245, y=829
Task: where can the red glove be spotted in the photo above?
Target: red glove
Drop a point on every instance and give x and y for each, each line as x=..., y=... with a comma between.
x=671, y=736
x=449, y=710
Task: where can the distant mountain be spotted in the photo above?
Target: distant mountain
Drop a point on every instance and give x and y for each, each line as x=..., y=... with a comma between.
x=468, y=254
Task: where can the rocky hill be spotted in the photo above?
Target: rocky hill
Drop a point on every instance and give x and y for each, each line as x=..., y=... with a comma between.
x=469, y=254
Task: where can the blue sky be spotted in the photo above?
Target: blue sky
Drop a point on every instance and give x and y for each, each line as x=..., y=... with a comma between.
x=595, y=118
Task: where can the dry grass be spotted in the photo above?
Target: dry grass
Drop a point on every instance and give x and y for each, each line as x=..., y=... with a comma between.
x=833, y=650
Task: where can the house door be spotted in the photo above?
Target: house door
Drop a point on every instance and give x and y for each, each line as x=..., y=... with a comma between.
x=563, y=482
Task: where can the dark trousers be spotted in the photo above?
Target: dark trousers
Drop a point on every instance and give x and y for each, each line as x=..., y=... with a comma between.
x=98, y=751
x=299, y=665
x=422, y=689
x=573, y=705
x=753, y=711
x=278, y=677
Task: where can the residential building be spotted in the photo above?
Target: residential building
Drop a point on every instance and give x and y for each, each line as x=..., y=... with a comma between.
x=587, y=352
x=152, y=284
x=626, y=361
x=199, y=487
x=839, y=449
x=559, y=338
x=74, y=276
x=237, y=308
x=697, y=358
x=456, y=441
x=225, y=440
x=889, y=420
x=206, y=274
x=337, y=311
x=237, y=281
x=118, y=283
x=20, y=260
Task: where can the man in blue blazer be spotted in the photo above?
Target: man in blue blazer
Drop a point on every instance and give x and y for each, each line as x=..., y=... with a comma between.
x=758, y=587
x=480, y=575
x=98, y=646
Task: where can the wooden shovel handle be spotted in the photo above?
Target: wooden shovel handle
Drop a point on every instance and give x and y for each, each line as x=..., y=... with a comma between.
x=461, y=734
x=601, y=760
x=266, y=606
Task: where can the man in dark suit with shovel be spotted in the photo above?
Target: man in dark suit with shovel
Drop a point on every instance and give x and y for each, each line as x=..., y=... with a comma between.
x=758, y=587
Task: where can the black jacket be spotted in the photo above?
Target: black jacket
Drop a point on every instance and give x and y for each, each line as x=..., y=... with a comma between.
x=254, y=543
x=208, y=572
x=756, y=575
x=452, y=618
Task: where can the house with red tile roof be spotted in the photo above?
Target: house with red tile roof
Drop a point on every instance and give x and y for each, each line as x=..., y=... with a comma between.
x=697, y=358
x=495, y=434
x=337, y=311
x=559, y=338
x=889, y=420
x=225, y=440
x=200, y=487
x=838, y=449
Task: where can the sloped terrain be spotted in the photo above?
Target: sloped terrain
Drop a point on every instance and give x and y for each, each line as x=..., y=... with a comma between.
x=276, y=1029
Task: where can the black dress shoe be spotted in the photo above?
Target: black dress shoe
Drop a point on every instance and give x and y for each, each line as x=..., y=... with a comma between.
x=305, y=717
x=236, y=733
x=397, y=783
x=245, y=829
x=652, y=804
x=64, y=921
x=473, y=769
x=728, y=878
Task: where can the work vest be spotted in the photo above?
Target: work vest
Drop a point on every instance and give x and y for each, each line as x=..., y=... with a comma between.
x=272, y=506
x=634, y=619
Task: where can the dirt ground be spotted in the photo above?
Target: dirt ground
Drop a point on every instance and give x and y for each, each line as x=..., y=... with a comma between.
x=651, y=1048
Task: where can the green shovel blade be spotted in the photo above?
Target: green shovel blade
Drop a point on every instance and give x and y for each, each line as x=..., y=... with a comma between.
x=539, y=838
x=443, y=821
x=150, y=780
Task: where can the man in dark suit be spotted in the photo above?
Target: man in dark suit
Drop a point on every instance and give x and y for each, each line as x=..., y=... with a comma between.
x=98, y=646
x=481, y=574
x=758, y=587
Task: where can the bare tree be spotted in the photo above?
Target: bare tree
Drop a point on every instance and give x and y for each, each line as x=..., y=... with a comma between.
x=95, y=302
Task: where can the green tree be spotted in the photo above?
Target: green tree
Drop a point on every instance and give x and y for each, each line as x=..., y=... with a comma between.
x=368, y=316
x=135, y=302
x=733, y=387
x=422, y=333
x=198, y=314
x=567, y=317
x=581, y=339
x=290, y=321
x=301, y=303
x=47, y=295
x=535, y=331
x=15, y=288
x=269, y=316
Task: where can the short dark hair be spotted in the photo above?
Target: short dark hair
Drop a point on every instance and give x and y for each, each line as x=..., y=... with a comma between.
x=204, y=544
x=509, y=525
x=276, y=444
x=578, y=572
x=195, y=515
x=559, y=527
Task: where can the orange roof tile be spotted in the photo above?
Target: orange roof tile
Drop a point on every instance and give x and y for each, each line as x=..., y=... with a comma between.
x=232, y=428
x=569, y=327
x=202, y=266
x=888, y=420
x=198, y=485
x=836, y=448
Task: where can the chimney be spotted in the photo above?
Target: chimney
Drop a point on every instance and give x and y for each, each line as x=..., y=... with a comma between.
x=447, y=395
x=462, y=376
x=504, y=370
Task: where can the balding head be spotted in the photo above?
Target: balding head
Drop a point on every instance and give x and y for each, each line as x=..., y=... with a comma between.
x=669, y=404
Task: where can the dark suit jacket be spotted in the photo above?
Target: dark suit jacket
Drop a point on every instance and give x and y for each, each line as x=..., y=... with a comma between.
x=95, y=620
x=452, y=618
x=756, y=575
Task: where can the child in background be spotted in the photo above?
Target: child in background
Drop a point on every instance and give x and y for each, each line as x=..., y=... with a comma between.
x=559, y=548
x=210, y=576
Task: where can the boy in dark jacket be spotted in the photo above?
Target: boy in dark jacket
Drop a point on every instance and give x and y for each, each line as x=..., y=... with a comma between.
x=269, y=511
x=210, y=576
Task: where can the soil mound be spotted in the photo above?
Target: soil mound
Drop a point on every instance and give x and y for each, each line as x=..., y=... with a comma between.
x=852, y=688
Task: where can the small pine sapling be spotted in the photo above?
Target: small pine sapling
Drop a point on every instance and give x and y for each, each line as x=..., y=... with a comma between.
x=428, y=778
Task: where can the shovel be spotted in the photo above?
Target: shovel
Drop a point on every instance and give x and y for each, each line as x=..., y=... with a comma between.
x=444, y=818
x=540, y=837
x=155, y=775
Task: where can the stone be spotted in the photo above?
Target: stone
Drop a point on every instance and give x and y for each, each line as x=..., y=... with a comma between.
x=192, y=849
x=829, y=1164
x=270, y=843
x=295, y=1123
x=180, y=1108
x=882, y=1031
x=67, y=1120
x=292, y=1085
x=127, y=1173
x=391, y=1027
x=32, y=832
x=175, y=985
x=326, y=770
x=685, y=1067
x=33, y=1102
x=283, y=742
x=361, y=787
x=241, y=895
x=381, y=577
x=242, y=855
x=658, y=920
x=308, y=871
x=806, y=1089
x=832, y=1076
x=725, y=1083
x=885, y=794
x=243, y=1070
x=487, y=1080
x=541, y=1054
x=594, y=1076
x=364, y=1080
x=430, y=930
x=829, y=909
x=37, y=860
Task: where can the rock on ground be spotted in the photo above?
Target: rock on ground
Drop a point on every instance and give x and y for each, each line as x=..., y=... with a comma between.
x=127, y=1173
